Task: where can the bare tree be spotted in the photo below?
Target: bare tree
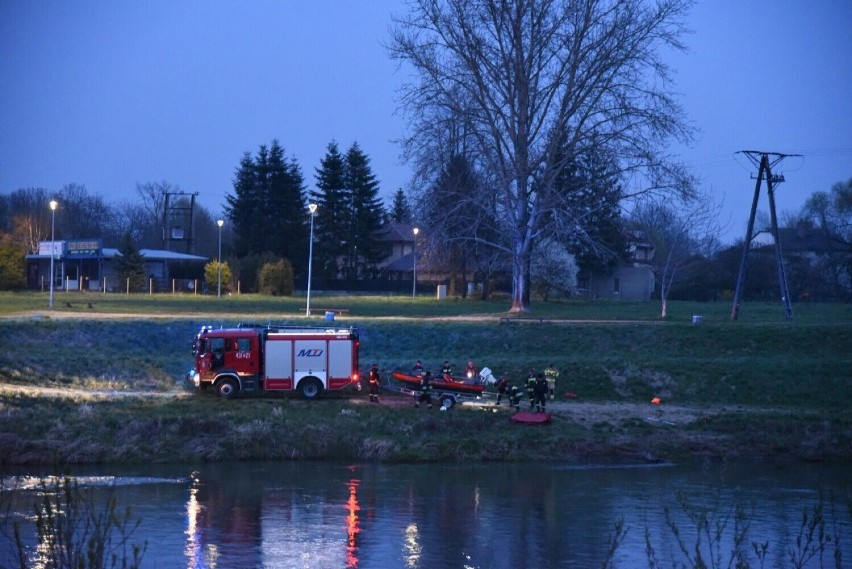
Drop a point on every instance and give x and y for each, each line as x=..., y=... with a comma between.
x=681, y=231
x=532, y=78
x=149, y=212
x=28, y=212
x=832, y=211
x=83, y=215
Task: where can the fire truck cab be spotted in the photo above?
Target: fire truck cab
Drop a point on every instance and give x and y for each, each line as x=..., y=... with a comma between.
x=253, y=358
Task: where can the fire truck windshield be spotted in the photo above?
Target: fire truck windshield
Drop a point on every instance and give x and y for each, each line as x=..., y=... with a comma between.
x=197, y=346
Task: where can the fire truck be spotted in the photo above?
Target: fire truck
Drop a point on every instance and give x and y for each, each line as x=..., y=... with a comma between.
x=256, y=358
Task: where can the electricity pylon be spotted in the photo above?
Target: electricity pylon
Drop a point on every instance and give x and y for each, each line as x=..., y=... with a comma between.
x=764, y=172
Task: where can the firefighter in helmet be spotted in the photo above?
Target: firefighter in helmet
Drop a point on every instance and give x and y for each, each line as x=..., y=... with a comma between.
x=447, y=371
x=425, y=389
x=515, y=396
x=531, y=377
x=540, y=391
x=503, y=389
x=551, y=374
x=374, y=383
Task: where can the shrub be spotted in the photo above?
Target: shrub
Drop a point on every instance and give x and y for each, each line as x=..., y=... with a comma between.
x=211, y=275
x=276, y=279
x=12, y=267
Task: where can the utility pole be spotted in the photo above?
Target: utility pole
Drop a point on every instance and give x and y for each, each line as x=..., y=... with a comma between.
x=764, y=172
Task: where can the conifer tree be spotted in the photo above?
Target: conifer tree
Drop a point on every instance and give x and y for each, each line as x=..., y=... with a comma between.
x=366, y=208
x=244, y=208
x=400, y=210
x=287, y=216
x=267, y=209
x=333, y=211
x=130, y=265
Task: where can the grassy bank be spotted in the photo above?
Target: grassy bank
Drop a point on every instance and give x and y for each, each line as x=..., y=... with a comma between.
x=755, y=388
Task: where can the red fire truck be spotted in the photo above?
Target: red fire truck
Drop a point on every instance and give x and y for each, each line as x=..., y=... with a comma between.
x=255, y=358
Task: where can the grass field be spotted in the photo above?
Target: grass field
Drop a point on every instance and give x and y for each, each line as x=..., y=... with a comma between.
x=12, y=304
x=783, y=388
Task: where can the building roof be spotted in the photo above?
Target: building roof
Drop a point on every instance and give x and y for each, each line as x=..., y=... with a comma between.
x=397, y=232
x=404, y=263
x=147, y=254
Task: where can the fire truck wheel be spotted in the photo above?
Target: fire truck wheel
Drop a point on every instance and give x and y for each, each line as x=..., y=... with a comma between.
x=310, y=388
x=447, y=402
x=227, y=389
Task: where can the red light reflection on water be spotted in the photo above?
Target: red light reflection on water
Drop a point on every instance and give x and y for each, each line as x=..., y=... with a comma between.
x=353, y=527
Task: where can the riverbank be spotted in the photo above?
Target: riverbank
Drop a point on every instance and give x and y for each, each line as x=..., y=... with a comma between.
x=72, y=426
x=108, y=387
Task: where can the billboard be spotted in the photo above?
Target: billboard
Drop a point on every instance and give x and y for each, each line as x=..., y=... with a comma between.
x=83, y=248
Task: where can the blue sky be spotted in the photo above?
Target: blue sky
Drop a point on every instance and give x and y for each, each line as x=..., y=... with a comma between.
x=113, y=93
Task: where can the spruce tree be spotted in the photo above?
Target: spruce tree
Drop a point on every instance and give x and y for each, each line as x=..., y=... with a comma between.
x=267, y=209
x=130, y=265
x=287, y=216
x=333, y=212
x=244, y=208
x=400, y=210
x=366, y=209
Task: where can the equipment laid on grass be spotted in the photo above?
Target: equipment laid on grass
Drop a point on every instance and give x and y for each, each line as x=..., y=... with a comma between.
x=530, y=418
x=255, y=358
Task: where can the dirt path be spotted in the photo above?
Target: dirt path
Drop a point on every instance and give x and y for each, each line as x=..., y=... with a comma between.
x=79, y=394
x=583, y=411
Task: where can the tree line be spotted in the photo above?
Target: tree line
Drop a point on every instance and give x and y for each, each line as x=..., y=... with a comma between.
x=538, y=135
x=266, y=219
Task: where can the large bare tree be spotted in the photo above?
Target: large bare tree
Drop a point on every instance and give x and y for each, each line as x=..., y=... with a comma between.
x=682, y=231
x=532, y=78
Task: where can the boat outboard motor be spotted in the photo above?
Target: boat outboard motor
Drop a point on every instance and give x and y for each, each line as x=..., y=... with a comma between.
x=486, y=377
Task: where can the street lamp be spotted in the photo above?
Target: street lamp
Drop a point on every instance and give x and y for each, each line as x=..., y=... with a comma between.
x=53, y=205
x=313, y=209
x=220, y=223
x=414, y=254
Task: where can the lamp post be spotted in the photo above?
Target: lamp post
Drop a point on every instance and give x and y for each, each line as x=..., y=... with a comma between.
x=313, y=209
x=414, y=254
x=53, y=205
x=220, y=223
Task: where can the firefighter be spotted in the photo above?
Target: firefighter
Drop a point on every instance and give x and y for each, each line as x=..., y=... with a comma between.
x=425, y=389
x=374, y=383
x=418, y=367
x=447, y=371
x=551, y=374
x=515, y=396
x=540, y=391
x=503, y=389
x=470, y=371
x=531, y=387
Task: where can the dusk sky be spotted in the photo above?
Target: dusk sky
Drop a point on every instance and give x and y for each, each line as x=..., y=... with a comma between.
x=109, y=93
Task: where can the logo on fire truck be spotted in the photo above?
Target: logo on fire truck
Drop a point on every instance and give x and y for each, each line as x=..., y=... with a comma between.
x=309, y=353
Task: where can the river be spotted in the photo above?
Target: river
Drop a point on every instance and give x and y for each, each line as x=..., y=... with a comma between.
x=319, y=514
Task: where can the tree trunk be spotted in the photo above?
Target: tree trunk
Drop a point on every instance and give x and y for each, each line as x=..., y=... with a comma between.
x=520, y=284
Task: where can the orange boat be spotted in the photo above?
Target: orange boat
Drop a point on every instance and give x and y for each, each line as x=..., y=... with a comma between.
x=412, y=380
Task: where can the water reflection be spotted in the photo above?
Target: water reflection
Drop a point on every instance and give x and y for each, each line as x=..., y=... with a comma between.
x=317, y=515
x=352, y=527
x=411, y=546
